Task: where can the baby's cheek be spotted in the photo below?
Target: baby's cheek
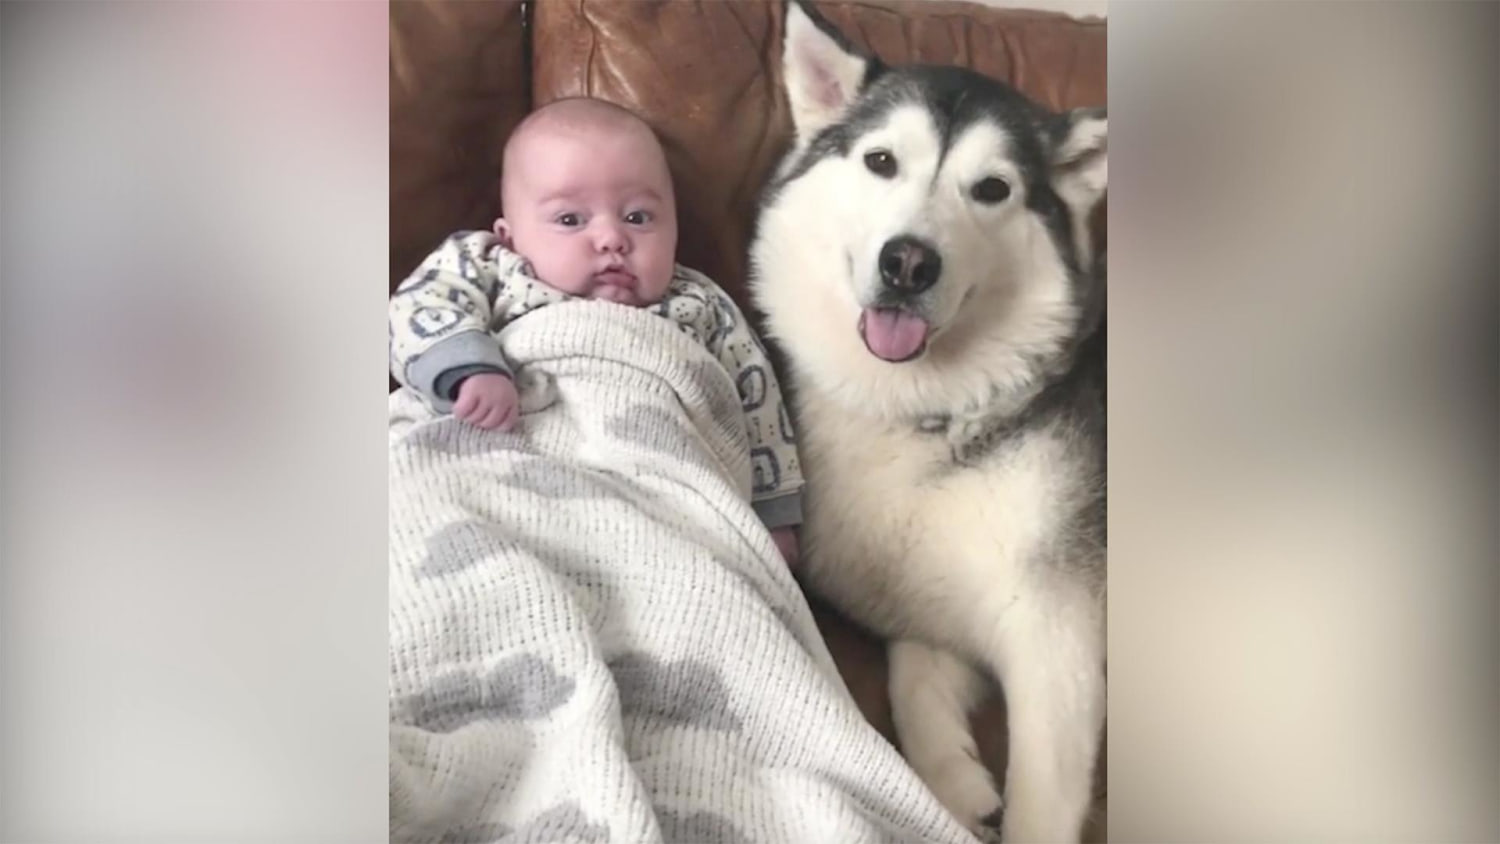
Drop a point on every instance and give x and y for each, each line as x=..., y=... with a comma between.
x=657, y=282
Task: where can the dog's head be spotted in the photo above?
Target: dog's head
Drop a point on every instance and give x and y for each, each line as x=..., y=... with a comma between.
x=922, y=241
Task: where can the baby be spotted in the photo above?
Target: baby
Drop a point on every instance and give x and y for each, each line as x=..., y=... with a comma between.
x=589, y=213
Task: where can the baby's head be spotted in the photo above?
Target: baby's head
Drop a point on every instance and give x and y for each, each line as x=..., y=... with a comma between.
x=588, y=201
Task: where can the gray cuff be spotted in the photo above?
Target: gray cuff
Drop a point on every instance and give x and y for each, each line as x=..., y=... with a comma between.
x=447, y=383
x=781, y=511
x=468, y=348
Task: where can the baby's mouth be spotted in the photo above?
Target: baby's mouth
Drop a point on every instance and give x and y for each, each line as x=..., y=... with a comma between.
x=616, y=286
x=616, y=277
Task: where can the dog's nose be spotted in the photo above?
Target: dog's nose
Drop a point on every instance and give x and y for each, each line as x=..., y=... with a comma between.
x=909, y=265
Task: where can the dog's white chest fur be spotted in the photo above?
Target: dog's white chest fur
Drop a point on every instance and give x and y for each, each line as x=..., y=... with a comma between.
x=911, y=543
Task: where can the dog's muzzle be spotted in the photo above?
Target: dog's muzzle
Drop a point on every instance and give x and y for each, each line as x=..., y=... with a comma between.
x=892, y=328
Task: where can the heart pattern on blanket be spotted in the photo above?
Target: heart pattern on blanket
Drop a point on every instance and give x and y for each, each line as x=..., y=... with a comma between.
x=684, y=692
x=460, y=546
x=563, y=822
x=698, y=828
x=544, y=479
x=655, y=429
x=522, y=686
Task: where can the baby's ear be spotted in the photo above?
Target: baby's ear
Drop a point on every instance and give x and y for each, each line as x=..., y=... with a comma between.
x=502, y=231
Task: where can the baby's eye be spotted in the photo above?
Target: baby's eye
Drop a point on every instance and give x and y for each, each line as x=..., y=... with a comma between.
x=638, y=218
x=569, y=219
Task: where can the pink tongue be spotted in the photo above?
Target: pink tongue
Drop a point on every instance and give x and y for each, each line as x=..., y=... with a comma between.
x=891, y=334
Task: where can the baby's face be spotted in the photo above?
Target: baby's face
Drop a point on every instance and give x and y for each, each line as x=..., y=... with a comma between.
x=594, y=214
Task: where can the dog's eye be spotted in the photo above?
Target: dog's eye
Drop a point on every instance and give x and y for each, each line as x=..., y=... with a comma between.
x=991, y=190
x=881, y=163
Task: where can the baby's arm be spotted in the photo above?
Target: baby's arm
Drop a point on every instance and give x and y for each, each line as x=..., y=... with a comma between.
x=777, y=496
x=440, y=320
x=776, y=491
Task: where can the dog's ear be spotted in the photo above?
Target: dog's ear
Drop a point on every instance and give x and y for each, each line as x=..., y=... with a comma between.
x=1080, y=157
x=822, y=71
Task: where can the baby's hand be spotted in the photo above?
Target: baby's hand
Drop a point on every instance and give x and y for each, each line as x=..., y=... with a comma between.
x=786, y=543
x=488, y=400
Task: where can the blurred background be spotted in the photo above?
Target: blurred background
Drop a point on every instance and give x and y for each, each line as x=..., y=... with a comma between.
x=1305, y=578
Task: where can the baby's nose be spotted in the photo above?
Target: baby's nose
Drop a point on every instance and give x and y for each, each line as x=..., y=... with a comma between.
x=611, y=238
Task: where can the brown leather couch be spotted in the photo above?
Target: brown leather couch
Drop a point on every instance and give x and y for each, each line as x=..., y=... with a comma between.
x=706, y=75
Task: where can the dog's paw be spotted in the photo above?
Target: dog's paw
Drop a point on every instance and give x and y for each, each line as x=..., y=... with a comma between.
x=1032, y=820
x=988, y=827
x=965, y=789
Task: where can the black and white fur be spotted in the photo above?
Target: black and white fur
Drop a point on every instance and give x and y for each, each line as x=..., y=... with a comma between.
x=955, y=501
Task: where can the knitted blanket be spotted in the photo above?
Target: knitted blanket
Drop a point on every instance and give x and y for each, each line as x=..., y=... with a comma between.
x=592, y=638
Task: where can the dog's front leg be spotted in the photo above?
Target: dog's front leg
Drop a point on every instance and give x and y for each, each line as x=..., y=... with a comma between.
x=1050, y=661
x=932, y=692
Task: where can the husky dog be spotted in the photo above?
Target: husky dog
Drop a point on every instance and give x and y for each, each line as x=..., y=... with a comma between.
x=923, y=261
